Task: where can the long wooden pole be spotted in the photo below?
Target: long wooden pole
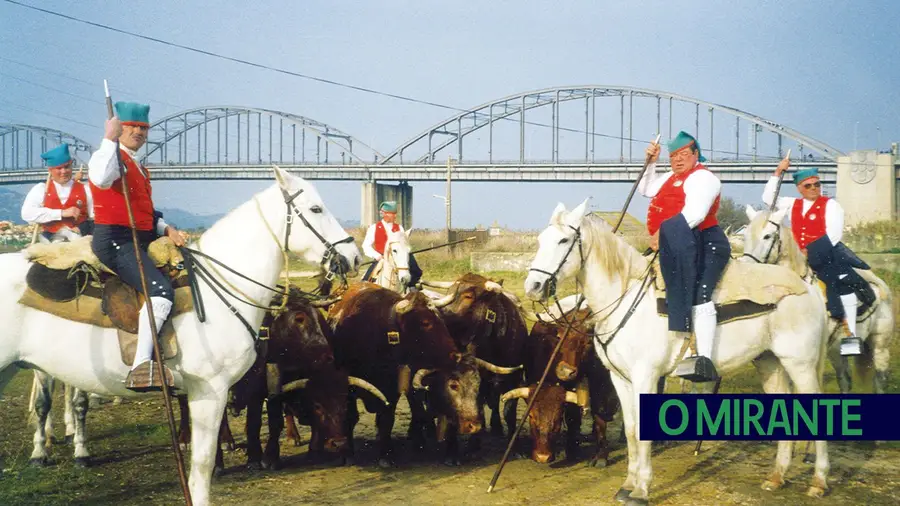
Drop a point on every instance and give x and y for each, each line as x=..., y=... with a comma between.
x=778, y=188
x=537, y=388
x=179, y=461
x=37, y=226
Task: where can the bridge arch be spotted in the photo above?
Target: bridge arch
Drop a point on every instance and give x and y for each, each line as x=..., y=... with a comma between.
x=174, y=139
x=21, y=146
x=513, y=108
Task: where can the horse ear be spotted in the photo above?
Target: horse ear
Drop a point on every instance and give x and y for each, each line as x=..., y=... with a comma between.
x=556, y=217
x=751, y=213
x=575, y=215
x=281, y=176
x=407, y=233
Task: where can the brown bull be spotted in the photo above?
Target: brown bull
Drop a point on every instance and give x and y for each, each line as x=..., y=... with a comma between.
x=485, y=321
x=294, y=367
x=377, y=333
x=576, y=366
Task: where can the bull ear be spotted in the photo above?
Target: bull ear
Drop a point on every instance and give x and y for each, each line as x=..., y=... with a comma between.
x=751, y=213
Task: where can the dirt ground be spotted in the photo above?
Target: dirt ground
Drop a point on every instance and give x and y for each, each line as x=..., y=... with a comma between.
x=133, y=464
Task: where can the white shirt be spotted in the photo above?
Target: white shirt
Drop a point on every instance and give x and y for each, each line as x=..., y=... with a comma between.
x=33, y=210
x=834, y=213
x=103, y=170
x=700, y=191
x=369, y=241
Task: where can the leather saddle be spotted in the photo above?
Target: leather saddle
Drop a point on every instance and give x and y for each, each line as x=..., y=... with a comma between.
x=80, y=288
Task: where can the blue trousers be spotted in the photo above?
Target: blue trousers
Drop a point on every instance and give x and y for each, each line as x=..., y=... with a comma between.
x=114, y=246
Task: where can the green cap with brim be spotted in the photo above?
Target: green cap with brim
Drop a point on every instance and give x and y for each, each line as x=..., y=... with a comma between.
x=804, y=174
x=683, y=140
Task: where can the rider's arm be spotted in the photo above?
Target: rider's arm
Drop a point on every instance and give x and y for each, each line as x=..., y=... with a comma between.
x=103, y=167
x=651, y=182
x=834, y=221
x=769, y=194
x=33, y=210
x=368, y=242
x=700, y=191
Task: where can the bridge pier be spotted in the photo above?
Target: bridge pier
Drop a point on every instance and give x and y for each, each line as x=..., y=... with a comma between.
x=867, y=186
x=373, y=194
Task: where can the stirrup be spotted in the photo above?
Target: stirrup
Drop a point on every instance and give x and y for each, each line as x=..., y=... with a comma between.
x=145, y=378
x=697, y=369
x=851, y=345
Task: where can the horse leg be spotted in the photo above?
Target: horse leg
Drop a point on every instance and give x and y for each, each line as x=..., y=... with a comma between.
x=806, y=381
x=80, y=405
x=225, y=436
x=184, y=430
x=69, y=393
x=626, y=398
x=206, y=407
x=640, y=495
x=879, y=342
x=775, y=381
x=42, y=402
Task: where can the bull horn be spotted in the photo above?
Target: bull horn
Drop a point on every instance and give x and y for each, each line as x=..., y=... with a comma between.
x=493, y=286
x=294, y=385
x=511, y=296
x=496, y=369
x=365, y=385
x=437, y=284
x=515, y=393
x=445, y=300
x=420, y=375
x=572, y=397
x=324, y=303
x=535, y=317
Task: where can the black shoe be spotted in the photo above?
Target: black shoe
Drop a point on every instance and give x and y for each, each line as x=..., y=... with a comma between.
x=697, y=369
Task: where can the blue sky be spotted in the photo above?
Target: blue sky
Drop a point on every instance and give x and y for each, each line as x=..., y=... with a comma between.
x=817, y=67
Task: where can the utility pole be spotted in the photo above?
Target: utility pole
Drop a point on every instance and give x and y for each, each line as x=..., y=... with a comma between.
x=449, y=168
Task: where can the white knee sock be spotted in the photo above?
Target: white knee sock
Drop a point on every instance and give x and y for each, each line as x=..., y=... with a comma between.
x=161, y=308
x=849, y=302
x=704, y=319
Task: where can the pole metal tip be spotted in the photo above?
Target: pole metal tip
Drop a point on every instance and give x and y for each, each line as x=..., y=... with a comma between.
x=657, y=138
x=788, y=155
x=106, y=88
x=490, y=489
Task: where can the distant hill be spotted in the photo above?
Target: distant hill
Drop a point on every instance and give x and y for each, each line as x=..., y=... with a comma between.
x=186, y=220
x=11, y=206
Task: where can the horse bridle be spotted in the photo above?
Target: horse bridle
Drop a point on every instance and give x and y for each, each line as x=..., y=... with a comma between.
x=330, y=250
x=771, y=246
x=553, y=280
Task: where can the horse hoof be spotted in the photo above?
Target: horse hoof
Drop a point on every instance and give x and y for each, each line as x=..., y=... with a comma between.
x=771, y=485
x=623, y=495
x=83, y=461
x=809, y=459
x=254, y=466
x=385, y=463
x=815, y=492
x=39, y=462
x=631, y=501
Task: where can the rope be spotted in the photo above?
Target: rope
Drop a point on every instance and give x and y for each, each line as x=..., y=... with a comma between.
x=284, y=255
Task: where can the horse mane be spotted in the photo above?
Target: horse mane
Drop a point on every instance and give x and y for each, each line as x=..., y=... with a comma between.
x=617, y=257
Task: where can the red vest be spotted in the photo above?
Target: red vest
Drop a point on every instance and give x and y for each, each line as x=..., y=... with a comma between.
x=669, y=201
x=381, y=236
x=77, y=198
x=810, y=227
x=109, y=204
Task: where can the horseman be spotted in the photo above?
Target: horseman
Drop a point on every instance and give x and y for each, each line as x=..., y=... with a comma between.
x=62, y=206
x=817, y=223
x=112, y=241
x=693, y=249
x=376, y=239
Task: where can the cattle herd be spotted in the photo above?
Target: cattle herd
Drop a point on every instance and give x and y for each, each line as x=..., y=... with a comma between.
x=449, y=354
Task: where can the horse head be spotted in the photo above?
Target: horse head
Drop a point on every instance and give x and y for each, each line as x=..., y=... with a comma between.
x=763, y=235
x=559, y=253
x=396, y=258
x=311, y=230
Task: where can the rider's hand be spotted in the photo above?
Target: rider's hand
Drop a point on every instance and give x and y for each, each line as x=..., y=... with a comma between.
x=783, y=165
x=654, y=241
x=177, y=236
x=653, y=152
x=113, y=129
x=71, y=212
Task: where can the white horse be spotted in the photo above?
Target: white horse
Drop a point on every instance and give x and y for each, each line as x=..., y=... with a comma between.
x=768, y=240
x=393, y=271
x=213, y=354
x=640, y=349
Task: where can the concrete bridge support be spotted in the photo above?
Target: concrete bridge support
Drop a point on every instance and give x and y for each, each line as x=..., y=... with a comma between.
x=373, y=194
x=867, y=186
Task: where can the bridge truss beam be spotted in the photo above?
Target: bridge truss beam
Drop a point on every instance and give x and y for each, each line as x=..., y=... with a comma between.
x=21, y=146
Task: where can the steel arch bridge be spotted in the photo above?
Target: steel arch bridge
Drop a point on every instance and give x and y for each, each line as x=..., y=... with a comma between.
x=21, y=147
x=184, y=139
x=442, y=136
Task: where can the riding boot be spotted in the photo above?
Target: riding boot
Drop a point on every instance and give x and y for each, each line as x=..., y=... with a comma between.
x=144, y=376
x=850, y=343
x=700, y=368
